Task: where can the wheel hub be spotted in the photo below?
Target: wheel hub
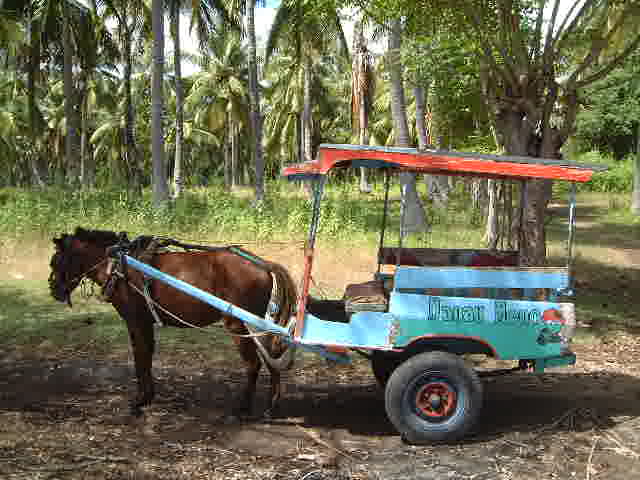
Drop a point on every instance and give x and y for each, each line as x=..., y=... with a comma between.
x=436, y=400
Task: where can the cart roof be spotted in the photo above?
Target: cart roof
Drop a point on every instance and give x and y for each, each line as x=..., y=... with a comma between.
x=440, y=162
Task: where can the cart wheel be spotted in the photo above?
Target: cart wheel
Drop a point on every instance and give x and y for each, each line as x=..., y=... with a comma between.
x=433, y=397
x=384, y=363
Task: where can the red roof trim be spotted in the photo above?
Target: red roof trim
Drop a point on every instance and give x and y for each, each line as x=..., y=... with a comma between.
x=330, y=156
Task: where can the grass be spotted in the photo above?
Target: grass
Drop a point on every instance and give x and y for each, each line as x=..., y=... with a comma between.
x=606, y=284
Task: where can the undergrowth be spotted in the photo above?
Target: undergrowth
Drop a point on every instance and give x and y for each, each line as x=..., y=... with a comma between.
x=214, y=214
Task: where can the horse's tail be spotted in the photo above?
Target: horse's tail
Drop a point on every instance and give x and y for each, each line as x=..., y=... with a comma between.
x=282, y=355
x=287, y=292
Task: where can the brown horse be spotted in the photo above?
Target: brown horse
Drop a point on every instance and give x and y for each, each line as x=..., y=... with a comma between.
x=218, y=271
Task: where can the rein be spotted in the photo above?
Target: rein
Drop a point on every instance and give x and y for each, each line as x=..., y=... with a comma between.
x=82, y=276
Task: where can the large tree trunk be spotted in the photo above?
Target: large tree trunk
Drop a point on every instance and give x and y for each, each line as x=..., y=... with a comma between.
x=520, y=139
x=160, y=190
x=414, y=215
x=177, y=164
x=635, y=196
x=254, y=103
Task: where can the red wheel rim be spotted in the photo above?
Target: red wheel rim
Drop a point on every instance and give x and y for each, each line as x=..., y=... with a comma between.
x=436, y=400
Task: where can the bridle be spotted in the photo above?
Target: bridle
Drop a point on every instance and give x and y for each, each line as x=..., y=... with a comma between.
x=64, y=285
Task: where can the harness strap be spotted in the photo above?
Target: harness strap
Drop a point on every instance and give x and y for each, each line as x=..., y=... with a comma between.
x=146, y=283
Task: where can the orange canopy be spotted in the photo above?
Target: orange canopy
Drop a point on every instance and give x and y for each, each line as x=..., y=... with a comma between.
x=441, y=162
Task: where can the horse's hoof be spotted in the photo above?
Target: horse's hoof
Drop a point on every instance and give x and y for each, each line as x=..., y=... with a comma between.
x=241, y=412
x=230, y=420
x=271, y=413
x=135, y=410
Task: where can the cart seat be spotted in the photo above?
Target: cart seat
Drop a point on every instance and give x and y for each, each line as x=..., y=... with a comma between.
x=366, y=297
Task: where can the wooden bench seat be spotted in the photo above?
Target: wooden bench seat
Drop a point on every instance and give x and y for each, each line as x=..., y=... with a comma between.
x=368, y=296
x=422, y=257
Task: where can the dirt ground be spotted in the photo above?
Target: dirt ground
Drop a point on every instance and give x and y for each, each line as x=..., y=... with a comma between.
x=65, y=416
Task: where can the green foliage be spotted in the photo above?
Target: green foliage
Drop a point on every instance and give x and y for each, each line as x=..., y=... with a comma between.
x=617, y=179
x=610, y=118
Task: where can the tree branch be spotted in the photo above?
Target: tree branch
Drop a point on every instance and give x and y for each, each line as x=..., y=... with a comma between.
x=569, y=117
x=487, y=46
x=562, y=35
x=537, y=37
x=613, y=64
x=549, y=41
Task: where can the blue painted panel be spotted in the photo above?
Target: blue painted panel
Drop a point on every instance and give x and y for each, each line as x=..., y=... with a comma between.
x=408, y=304
x=365, y=330
x=425, y=277
x=513, y=328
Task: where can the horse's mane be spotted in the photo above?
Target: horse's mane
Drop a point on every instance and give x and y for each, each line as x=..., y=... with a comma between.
x=103, y=238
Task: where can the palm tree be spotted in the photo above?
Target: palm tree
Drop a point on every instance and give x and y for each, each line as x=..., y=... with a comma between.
x=312, y=33
x=97, y=57
x=129, y=16
x=362, y=93
x=254, y=101
x=203, y=15
x=414, y=218
x=218, y=101
x=160, y=190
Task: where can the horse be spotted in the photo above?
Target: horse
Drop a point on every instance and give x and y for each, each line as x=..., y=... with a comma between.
x=217, y=270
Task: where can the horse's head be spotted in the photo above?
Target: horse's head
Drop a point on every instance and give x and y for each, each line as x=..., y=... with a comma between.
x=76, y=255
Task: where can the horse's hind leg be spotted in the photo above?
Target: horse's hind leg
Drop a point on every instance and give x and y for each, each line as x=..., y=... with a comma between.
x=276, y=390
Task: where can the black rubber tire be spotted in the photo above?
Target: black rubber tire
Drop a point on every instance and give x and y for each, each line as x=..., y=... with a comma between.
x=384, y=363
x=433, y=370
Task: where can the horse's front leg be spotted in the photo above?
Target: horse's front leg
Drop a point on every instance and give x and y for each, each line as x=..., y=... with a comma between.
x=143, y=344
x=249, y=354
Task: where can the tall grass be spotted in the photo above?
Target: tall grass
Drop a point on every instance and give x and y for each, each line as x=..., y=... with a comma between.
x=213, y=214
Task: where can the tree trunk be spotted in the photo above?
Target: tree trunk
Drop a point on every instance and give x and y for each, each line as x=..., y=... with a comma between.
x=130, y=149
x=177, y=55
x=519, y=140
x=254, y=103
x=421, y=110
x=635, y=196
x=71, y=136
x=414, y=215
x=160, y=190
x=87, y=164
x=307, y=121
x=437, y=185
x=38, y=174
x=491, y=235
x=236, y=173
x=228, y=172
x=365, y=186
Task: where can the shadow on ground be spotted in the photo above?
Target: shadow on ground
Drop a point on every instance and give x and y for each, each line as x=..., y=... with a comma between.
x=194, y=406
